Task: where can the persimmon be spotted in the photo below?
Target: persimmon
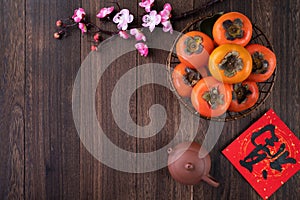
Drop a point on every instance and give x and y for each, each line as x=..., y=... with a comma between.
x=210, y=97
x=193, y=49
x=184, y=78
x=264, y=62
x=230, y=63
x=244, y=96
x=232, y=28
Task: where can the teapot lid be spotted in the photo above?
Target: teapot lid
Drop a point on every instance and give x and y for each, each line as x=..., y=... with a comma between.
x=188, y=163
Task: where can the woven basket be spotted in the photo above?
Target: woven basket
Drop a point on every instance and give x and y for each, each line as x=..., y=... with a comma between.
x=265, y=88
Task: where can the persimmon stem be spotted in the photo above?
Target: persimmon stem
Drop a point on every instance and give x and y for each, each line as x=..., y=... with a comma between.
x=69, y=23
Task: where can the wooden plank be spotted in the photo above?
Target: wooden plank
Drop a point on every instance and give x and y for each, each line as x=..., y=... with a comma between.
x=89, y=172
x=12, y=79
x=285, y=96
x=159, y=184
x=97, y=181
x=52, y=145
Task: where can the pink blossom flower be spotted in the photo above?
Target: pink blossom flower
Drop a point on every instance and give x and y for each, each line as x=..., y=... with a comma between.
x=124, y=35
x=105, y=12
x=82, y=27
x=166, y=12
x=123, y=18
x=165, y=18
x=147, y=4
x=142, y=48
x=167, y=26
x=79, y=14
x=137, y=34
x=151, y=20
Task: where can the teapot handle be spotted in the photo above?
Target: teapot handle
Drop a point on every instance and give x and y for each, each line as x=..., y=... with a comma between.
x=210, y=180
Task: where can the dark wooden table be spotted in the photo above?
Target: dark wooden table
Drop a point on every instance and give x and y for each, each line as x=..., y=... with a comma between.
x=41, y=155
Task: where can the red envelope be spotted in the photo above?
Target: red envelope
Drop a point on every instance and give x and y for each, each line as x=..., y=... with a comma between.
x=266, y=154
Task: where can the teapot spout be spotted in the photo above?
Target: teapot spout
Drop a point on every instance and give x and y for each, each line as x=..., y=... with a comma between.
x=210, y=180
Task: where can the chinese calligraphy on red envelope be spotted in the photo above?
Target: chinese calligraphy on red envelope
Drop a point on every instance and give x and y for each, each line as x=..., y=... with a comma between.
x=266, y=154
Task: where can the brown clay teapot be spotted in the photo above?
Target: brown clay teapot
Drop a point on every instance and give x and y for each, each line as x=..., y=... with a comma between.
x=188, y=163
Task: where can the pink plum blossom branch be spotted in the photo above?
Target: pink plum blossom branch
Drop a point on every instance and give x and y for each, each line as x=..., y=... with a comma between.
x=123, y=19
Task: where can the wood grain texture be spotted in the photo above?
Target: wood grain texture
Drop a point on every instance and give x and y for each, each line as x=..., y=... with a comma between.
x=97, y=181
x=12, y=81
x=159, y=184
x=41, y=154
x=51, y=142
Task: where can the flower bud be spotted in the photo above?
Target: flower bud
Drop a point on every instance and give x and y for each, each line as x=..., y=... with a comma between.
x=57, y=35
x=94, y=48
x=59, y=23
x=97, y=37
